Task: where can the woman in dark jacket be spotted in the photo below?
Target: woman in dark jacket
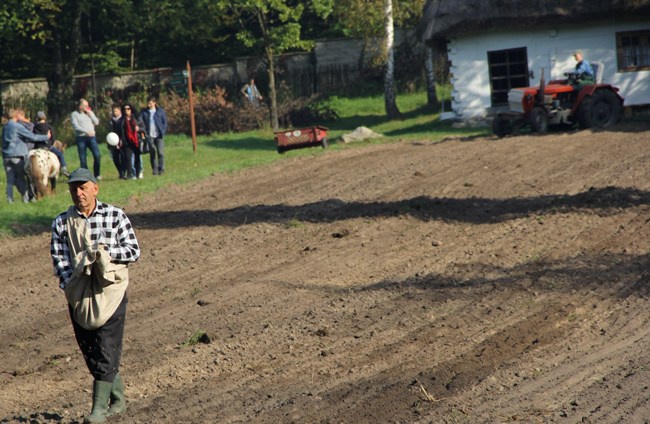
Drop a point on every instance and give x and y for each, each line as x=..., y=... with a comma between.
x=130, y=127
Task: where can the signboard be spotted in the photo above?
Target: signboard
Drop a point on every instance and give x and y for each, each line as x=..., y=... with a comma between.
x=178, y=82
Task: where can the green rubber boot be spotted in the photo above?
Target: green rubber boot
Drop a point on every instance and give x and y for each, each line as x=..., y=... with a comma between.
x=101, y=394
x=118, y=403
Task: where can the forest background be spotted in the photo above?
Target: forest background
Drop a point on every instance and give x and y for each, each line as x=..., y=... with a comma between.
x=59, y=39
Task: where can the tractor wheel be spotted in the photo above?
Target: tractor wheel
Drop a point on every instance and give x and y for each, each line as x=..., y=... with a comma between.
x=539, y=120
x=600, y=110
x=501, y=126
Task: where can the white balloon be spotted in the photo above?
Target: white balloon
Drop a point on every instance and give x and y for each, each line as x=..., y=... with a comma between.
x=112, y=139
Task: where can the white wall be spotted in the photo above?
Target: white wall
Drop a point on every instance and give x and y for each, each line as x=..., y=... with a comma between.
x=550, y=48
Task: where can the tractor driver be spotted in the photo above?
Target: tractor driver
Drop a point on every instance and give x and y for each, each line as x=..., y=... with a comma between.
x=583, y=73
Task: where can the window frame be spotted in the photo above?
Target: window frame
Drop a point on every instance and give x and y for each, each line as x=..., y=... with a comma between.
x=509, y=63
x=620, y=56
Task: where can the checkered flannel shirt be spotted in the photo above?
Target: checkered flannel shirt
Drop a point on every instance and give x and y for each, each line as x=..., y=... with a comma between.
x=109, y=225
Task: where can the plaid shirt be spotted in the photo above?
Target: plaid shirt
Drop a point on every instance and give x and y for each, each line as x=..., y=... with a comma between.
x=109, y=225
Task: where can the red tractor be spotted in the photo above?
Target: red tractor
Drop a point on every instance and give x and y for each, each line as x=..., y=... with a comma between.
x=561, y=102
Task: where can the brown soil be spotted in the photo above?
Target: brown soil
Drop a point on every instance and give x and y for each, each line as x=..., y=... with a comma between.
x=469, y=281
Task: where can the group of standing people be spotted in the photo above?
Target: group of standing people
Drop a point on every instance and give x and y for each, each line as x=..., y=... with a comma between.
x=138, y=134
x=19, y=136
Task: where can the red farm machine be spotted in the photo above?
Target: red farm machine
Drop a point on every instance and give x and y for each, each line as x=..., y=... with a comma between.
x=561, y=102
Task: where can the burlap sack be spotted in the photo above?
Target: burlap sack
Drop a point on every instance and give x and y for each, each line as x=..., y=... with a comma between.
x=97, y=285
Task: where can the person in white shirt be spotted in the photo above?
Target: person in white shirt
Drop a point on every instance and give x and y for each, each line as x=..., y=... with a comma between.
x=155, y=125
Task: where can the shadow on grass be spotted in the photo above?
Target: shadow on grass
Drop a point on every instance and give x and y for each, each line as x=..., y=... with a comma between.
x=344, y=125
x=603, y=201
x=351, y=122
x=244, y=143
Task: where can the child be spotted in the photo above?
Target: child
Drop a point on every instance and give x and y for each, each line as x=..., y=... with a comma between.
x=42, y=127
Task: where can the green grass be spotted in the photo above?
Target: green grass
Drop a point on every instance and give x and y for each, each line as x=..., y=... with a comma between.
x=221, y=153
x=199, y=336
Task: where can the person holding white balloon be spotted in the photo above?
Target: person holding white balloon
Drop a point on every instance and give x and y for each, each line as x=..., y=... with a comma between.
x=115, y=144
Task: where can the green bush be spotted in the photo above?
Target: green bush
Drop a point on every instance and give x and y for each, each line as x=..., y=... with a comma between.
x=312, y=110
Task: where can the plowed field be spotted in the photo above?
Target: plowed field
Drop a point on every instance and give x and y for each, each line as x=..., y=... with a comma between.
x=475, y=280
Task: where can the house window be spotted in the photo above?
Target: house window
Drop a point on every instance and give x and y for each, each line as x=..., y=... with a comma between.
x=633, y=50
x=508, y=69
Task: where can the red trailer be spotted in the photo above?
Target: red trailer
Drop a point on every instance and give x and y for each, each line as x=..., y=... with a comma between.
x=302, y=137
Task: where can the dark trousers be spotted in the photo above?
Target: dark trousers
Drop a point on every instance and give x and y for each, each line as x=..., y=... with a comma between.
x=133, y=161
x=157, y=155
x=119, y=157
x=102, y=348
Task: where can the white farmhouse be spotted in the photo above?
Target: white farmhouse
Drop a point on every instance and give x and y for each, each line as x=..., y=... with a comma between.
x=501, y=44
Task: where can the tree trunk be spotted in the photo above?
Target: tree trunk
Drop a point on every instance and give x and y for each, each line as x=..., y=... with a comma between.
x=432, y=97
x=65, y=49
x=272, y=93
x=389, y=79
x=270, y=69
x=59, y=82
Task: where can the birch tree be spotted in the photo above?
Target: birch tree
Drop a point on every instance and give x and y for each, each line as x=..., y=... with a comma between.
x=389, y=77
x=372, y=19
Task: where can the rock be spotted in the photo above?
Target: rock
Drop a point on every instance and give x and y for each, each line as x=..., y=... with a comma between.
x=360, y=134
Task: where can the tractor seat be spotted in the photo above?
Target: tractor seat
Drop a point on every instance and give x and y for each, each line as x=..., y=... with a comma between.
x=598, y=68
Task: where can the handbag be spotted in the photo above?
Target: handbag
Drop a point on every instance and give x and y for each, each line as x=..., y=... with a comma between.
x=144, y=143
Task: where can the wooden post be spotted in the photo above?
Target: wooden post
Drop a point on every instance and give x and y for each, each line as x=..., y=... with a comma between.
x=191, y=97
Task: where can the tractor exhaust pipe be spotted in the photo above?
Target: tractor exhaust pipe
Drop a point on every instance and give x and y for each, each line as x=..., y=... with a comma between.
x=542, y=87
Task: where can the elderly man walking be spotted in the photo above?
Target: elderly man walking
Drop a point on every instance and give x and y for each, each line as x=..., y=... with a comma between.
x=92, y=244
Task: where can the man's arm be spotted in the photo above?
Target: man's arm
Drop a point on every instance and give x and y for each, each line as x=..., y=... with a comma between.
x=163, y=121
x=74, y=120
x=25, y=134
x=93, y=118
x=60, y=253
x=584, y=68
x=126, y=249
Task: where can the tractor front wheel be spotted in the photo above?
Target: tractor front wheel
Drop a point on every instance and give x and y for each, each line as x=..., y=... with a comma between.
x=600, y=110
x=501, y=126
x=539, y=120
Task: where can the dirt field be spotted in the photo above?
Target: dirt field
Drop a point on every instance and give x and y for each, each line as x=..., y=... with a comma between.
x=469, y=281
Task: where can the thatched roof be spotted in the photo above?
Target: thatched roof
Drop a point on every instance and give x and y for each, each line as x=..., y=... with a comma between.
x=445, y=18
